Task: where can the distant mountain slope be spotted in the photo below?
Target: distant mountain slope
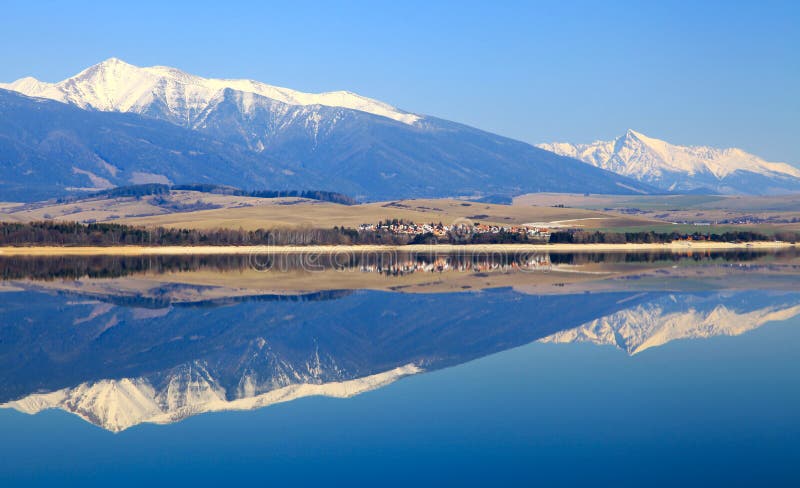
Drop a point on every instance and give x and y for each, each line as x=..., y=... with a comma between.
x=376, y=157
x=684, y=168
x=336, y=141
x=49, y=148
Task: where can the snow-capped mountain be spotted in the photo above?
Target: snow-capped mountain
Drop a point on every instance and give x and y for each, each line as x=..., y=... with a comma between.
x=116, y=86
x=676, y=317
x=155, y=351
x=50, y=149
x=116, y=405
x=279, y=138
x=163, y=365
x=683, y=168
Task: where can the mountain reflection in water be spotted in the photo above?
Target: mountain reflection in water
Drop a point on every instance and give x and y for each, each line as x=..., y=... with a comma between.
x=120, y=351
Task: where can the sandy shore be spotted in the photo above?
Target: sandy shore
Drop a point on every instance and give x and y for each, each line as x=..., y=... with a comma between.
x=681, y=246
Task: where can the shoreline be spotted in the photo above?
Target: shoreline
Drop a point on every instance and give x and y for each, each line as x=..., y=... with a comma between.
x=681, y=246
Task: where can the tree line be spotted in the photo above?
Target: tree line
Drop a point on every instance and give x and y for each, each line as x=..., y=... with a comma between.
x=52, y=233
x=325, y=196
x=49, y=233
x=597, y=237
x=152, y=189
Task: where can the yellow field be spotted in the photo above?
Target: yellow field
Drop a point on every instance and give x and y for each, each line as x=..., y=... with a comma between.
x=761, y=213
x=717, y=206
x=114, y=209
x=325, y=214
x=179, y=210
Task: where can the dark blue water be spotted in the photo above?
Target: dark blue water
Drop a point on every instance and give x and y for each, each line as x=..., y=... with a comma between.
x=651, y=404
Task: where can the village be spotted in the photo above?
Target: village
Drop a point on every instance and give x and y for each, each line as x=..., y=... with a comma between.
x=401, y=227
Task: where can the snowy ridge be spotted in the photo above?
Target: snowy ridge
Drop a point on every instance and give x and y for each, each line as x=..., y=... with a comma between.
x=671, y=166
x=116, y=86
x=651, y=325
x=251, y=135
x=116, y=405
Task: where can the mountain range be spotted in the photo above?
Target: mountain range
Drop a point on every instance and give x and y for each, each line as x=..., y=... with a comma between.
x=118, y=361
x=115, y=123
x=50, y=149
x=676, y=317
x=684, y=168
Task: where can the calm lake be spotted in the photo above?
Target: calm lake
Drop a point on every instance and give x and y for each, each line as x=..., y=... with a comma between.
x=394, y=370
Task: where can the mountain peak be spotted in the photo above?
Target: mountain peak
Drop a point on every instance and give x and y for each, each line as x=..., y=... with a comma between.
x=113, y=61
x=27, y=79
x=634, y=135
x=674, y=167
x=114, y=85
x=118, y=404
x=670, y=318
x=26, y=82
x=110, y=64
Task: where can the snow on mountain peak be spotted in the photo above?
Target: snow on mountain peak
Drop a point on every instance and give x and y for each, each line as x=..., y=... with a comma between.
x=667, y=165
x=116, y=86
x=651, y=325
x=116, y=405
x=26, y=85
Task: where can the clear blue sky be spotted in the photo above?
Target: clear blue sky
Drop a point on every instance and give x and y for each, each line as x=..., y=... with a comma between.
x=720, y=73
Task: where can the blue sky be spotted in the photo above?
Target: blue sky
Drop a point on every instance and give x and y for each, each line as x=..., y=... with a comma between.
x=720, y=73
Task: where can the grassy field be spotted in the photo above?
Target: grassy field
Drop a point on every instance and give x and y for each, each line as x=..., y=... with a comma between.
x=252, y=213
x=765, y=214
x=691, y=228
x=600, y=202
x=324, y=214
x=195, y=210
x=779, y=203
x=113, y=209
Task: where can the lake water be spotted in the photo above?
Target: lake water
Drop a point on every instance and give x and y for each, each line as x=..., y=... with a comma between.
x=547, y=370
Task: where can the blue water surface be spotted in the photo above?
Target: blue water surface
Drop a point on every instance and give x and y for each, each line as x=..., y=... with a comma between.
x=721, y=411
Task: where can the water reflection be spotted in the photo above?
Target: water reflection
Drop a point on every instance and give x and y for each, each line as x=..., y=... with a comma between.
x=122, y=351
x=665, y=318
x=387, y=263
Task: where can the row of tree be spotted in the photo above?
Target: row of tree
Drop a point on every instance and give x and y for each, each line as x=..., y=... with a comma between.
x=660, y=256
x=597, y=237
x=52, y=233
x=151, y=189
